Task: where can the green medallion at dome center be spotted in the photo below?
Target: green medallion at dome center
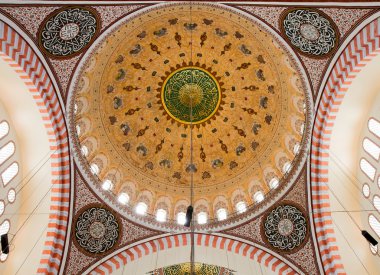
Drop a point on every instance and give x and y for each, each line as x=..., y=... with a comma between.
x=191, y=90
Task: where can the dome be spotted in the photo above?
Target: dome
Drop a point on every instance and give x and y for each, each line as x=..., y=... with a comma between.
x=168, y=80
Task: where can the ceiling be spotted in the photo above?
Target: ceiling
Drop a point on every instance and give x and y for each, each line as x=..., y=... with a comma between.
x=139, y=124
x=139, y=101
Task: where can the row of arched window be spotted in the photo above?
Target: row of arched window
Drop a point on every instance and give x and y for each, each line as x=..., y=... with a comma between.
x=8, y=170
x=141, y=207
x=368, y=165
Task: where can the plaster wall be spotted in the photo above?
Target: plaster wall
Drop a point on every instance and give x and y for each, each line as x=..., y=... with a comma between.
x=29, y=215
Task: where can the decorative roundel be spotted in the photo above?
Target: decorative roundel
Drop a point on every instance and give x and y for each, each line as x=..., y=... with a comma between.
x=310, y=31
x=68, y=31
x=285, y=227
x=191, y=95
x=96, y=230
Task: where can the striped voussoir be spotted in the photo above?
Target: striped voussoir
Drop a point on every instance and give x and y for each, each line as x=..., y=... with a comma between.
x=19, y=55
x=204, y=240
x=362, y=48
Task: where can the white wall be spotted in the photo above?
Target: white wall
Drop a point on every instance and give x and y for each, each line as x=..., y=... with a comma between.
x=29, y=214
x=345, y=186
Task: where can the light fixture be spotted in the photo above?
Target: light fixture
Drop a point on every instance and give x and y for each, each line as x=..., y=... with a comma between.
x=107, y=185
x=161, y=215
x=189, y=215
x=221, y=214
x=181, y=218
x=369, y=238
x=241, y=207
x=4, y=244
x=123, y=198
x=141, y=208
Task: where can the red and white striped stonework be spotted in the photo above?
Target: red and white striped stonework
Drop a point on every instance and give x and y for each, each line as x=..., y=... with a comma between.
x=363, y=47
x=204, y=240
x=19, y=55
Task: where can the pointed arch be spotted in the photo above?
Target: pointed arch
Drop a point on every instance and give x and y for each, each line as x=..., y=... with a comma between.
x=362, y=48
x=23, y=59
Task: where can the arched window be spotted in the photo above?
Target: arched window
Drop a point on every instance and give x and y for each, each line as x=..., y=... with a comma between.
x=181, y=218
x=376, y=202
x=4, y=129
x=273, y=184
x=6, y=151
x=11, y=195
x=161, y=215
x=123, y=198
x=371, y=148
x=141, y=208
x=202, y=217
x=9, y=173
x=258, y=196
x=94, y=169
x=375, y=224
x=241, y=207
x=368, y=168
x=374, y=126
x=366, y=190
x=286, y=168
x=2, y=207
x=84, y=150
x=78, y=130
x=107, y=185
x=221, y=214
x=4, y=227
x=296, y=148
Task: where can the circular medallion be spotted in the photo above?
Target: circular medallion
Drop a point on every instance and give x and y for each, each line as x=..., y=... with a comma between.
x=191, y=90
x=310, y=31
x=68, y=31
x=96, y=230
x=285, y=227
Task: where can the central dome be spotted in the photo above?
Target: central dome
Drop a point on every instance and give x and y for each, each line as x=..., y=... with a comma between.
x=191, y=95
x=167, y=68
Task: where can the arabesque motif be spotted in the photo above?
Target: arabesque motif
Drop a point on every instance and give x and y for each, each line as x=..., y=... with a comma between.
x=68, y=32
x=310, y=32
x=96, y=230
x=191, y=95
x=285, y=227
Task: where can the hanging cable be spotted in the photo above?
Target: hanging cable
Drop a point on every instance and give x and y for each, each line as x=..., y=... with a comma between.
x=349, y=244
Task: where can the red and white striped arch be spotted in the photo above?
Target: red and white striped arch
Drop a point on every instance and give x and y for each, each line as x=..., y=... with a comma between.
x=202, y=240
x=362, y=48
x=19, y=54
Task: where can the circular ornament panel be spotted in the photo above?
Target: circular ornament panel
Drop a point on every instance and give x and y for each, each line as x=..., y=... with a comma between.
x=310, y=31
x=191, y=95
x=68, y=31
x=285, y=227
x=97, y=230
